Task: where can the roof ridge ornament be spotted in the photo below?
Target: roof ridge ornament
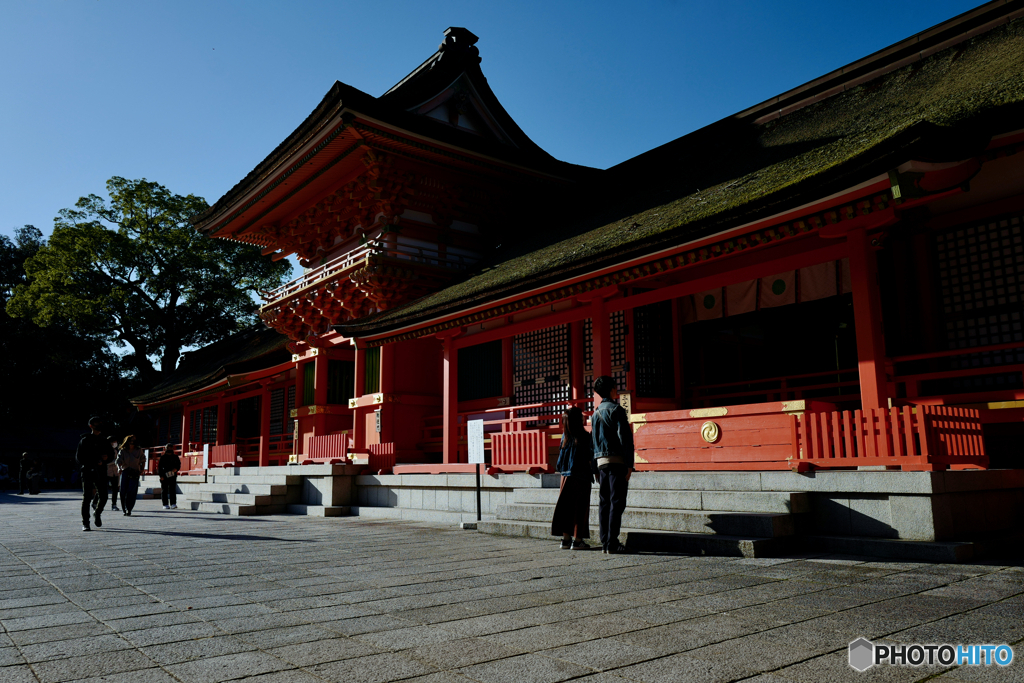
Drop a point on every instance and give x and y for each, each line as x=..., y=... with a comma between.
x=458, y=42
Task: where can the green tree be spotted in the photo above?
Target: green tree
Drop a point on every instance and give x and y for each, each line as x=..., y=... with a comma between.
x=135, y=271
x=54, y=377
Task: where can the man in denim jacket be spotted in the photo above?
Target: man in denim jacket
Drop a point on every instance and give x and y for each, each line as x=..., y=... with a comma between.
x=613, y=456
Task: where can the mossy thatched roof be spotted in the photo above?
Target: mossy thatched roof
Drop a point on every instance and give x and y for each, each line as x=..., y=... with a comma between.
x=944, y=107
x=255, y=348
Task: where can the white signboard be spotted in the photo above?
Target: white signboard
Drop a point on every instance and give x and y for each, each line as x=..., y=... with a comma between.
x=475, y=437
x=206, y=456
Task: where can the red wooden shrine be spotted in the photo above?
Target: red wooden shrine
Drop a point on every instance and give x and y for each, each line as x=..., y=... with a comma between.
x=795, y=287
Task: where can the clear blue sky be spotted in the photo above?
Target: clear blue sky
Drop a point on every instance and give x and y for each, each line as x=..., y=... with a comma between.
x=194, y=94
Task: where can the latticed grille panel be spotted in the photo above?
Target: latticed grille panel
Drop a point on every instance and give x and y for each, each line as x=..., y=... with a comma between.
x=617, y=340
x=540, y=366
x=276, y=411
x=210, y=424
x=981, y=275
x=655, y=366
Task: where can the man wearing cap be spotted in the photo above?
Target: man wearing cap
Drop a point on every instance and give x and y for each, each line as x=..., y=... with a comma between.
x=94, y=452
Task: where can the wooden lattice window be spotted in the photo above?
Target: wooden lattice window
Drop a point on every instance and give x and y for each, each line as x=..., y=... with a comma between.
x=540, y=366
x=981, y=276
x=617, y=341
x=210, y=424
x=653, y=348
x=282, y=402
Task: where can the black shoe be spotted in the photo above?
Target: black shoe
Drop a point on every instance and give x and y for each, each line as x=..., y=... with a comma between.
x=85, y=526
x=99, y=522
x=617, y=549
x=128, y=514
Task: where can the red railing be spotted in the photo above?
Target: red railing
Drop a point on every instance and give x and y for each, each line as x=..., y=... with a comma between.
x=913, y=371
x=423, y=255
x=832, y=385
x=330, y=448
x=520, y=419
x=224, y=456
x=911, y=437
x=382, y=458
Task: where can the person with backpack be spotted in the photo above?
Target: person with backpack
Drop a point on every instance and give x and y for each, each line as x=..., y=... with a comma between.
x=130, y=462
x=613, y=457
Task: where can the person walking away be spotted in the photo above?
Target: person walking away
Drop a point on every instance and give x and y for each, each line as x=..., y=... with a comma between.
x=168, y=468
x=129, y=462
x=575, y=464
x=613, y=456
x=94, y=452
x=35, y=478
x=24, y=467
x=113, y=475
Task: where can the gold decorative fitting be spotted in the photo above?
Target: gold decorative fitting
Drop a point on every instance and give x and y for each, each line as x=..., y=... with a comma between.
x=794, y=406
x=710, y=432
x=353, y=403
x=709, y=412
x=296, y=357
x=312, y=410
x=293, y=459
x=294, y=412
x=378, y=398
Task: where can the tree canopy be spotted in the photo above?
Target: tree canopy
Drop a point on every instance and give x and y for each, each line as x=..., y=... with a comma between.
x=134, y=271
x=53, y=377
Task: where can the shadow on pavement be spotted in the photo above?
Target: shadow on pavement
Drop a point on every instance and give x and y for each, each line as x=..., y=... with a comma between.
x=219, y=537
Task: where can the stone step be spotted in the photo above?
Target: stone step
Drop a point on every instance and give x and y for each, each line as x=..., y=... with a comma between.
x=205, y=496
x=950, y=552
x=415, y=514
x=255, y=489
x=238, y=510
x=652, y=541
x=719, y=501
x=747, y=524
x=248, y=479
x=320, y=510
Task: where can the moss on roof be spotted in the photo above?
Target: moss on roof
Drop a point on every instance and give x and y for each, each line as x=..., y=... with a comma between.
x=252, y=349
x=734, y=171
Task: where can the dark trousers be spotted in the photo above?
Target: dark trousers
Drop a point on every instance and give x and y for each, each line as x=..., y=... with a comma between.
x=614, y=487
x=168, y=490
x=113, y=487
x=93, y=484
x=22, y=482
x=129, y=491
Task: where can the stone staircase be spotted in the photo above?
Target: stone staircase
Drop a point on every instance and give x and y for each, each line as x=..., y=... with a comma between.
x=661, y=518
x=246, y=491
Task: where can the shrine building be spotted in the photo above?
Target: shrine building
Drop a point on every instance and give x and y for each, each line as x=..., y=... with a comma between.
x=821, y=295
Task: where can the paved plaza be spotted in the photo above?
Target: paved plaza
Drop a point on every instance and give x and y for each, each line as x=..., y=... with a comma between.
x=185, y=596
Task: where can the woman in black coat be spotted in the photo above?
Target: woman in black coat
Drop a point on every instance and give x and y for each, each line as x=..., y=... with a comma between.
x=167, y=469
x=575, y=463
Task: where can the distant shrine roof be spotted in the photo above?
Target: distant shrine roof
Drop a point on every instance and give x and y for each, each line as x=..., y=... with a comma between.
x=255, y=348
x=446, y=101
x=936, y=97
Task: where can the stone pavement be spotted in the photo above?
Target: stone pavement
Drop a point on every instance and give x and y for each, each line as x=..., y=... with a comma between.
x=183, y=596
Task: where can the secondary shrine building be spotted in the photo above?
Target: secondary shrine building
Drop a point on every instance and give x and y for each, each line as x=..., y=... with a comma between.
x=831, y=279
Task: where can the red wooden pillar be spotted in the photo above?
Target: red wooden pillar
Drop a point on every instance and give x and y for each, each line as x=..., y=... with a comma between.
x=450, y=432
x=265, y=427
x=223, y=422
x=867, y=311
x=358, y=421
x=508, y=369
x=600, y=337
x=185, y=413
x=576, y=354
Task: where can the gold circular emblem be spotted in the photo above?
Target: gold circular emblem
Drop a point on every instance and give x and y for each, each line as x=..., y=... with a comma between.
x=710, y=432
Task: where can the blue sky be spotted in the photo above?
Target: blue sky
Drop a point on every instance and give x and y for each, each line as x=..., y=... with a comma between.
x=194, y=94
